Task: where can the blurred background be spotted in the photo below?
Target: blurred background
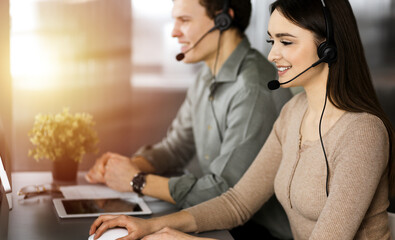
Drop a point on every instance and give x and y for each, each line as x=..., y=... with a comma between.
x=115, y=59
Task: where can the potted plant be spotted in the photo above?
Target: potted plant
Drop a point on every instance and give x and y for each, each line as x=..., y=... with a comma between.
x=63, y=138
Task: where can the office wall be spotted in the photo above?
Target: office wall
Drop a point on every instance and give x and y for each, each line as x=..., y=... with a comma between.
x=74, y=54
x=91, y=57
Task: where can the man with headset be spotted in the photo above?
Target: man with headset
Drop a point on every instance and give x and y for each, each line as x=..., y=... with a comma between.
x=224, y=121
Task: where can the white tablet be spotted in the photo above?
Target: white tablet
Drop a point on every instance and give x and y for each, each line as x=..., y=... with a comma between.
x=78, y=208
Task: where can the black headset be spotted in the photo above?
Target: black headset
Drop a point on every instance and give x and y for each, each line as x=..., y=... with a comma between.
x=327, y=50
x=223, y=20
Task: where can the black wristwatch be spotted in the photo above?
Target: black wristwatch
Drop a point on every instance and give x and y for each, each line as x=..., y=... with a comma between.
x=138, y=182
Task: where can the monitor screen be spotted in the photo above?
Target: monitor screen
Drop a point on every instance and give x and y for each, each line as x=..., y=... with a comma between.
x=4, y=215
x=5, y=95
x=5, y=113
x=5, y=183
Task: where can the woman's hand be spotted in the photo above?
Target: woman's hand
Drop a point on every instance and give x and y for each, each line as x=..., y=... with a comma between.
x=171, y=234
x=137, y=227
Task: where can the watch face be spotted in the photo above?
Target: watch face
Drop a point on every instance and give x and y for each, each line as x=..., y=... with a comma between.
x=138, y=182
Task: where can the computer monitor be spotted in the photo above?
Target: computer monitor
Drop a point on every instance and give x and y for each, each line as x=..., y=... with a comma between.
x=5, y=159
x=5, y=91
x=5, y=114
x=5, y=201
x=5, y=184
x=4, y=216
x=5, y=179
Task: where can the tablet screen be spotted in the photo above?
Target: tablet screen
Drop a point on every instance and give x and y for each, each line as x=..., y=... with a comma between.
x=86, y=206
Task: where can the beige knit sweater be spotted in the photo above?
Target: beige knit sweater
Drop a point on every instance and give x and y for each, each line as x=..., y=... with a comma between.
x=357, y=148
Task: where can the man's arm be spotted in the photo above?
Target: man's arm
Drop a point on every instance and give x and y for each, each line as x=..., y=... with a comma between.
x=249, y=121
x=120, y=170
x=158, y=187
x=143, y=164
x=178, y=147
x=250, y=118
x=173, y=151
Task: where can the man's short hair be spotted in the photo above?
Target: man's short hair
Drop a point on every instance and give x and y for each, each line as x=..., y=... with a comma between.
x=241, y=9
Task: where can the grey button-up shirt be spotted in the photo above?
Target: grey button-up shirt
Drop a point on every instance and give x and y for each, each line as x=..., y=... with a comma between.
x=226, y=134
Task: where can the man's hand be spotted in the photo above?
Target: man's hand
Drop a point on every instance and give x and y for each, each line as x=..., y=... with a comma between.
x=119, y=171
x=116, y=171
x=96, y=173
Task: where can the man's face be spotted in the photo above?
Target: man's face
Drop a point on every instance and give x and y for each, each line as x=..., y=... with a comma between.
x=191, y=23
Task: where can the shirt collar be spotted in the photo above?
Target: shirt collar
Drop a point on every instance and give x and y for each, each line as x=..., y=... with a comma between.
x=229, y=70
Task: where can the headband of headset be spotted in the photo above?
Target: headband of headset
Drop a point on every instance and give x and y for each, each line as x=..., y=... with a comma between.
x=223, y=20
x=327, y=50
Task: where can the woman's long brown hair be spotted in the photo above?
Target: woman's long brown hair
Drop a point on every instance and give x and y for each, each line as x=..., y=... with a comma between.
x=350, y=87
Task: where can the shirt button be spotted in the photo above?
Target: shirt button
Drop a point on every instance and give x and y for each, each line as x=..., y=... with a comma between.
x=206, y=157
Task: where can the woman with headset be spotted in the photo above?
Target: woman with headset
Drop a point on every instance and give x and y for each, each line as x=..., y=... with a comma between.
x=330, y=156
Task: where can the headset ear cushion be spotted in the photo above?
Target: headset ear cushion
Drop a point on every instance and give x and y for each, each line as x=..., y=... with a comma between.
x=327, y=53
x=321, y=50
x=223, y=21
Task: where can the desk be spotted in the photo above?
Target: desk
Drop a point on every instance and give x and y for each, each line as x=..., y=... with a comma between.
x=36, y=218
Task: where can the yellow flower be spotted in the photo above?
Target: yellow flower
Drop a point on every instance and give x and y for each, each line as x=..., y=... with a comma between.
x=75, y=125
x=69, y=133
x=63, y=135
x=58, y=152
x=81, y=138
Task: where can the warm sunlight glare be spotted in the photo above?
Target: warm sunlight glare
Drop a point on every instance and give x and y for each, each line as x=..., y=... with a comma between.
x=32, y=61
x=144, y=8
x=31, y=58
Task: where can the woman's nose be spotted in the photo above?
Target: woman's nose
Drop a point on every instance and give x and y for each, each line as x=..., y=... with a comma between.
x=274, y=54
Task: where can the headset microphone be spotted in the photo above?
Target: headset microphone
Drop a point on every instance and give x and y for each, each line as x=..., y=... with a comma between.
x=327, y=51
x=181, y=56
x=222, y=22
x=275, y=84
